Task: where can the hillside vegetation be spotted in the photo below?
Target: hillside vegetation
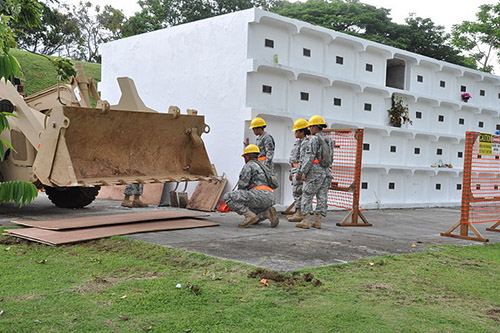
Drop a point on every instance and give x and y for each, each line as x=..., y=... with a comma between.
x=40, y=74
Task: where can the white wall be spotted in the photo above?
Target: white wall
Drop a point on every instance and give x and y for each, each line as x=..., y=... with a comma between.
x=197, y=66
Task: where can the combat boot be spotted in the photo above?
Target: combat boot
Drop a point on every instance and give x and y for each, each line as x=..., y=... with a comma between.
x=317, y=223
x=306, y=222
x=126, y=202
x=137, y=203
x=250, y=218
x=272, y=216
x=296, y=217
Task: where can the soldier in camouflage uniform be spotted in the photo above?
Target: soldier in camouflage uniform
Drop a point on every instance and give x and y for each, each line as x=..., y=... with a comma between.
x=317, y=179
x=254, y=196
x=136, y=191
x=264, y=141
x=296, y=155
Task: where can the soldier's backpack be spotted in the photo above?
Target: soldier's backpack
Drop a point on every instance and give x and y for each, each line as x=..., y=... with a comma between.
x=272, y=180
x=326, y=152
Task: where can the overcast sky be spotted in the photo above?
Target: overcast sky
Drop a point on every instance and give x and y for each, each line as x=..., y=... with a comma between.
x=442, y=12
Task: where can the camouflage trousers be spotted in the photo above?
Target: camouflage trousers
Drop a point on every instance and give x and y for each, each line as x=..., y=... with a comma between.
x=258, y=201
x=317, y=184
x=297, y=191
x=133, y=189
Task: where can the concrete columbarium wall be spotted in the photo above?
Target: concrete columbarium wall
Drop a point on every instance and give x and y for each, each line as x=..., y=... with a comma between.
x=253, y=63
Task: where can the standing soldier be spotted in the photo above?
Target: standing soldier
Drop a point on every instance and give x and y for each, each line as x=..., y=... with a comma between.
x=253, y=196
x=264, y=141
x=297, y=154
x=316, y=174
x=136, y=191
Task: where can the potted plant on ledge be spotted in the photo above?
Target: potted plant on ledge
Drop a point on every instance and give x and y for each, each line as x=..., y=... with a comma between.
x=398, y=113
x=465, y=97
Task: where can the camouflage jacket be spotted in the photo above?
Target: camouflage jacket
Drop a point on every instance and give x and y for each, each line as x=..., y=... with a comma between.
x=313, y=151
x=265, y=142
x=251, y=175
x=297, y=153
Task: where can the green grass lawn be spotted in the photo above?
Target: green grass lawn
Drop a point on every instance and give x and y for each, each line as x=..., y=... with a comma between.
x=120, y=284
x=40, y=74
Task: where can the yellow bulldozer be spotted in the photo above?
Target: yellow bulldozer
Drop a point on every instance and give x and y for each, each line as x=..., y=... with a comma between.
x=69, y=148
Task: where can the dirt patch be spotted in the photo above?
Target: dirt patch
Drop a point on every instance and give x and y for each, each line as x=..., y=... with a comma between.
x=98, y=282
x=377, y=286
x=286, y=280
x=494, y=314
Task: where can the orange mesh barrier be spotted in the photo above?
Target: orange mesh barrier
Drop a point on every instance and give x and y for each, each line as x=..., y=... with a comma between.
x=346, y=173
x=480, y=186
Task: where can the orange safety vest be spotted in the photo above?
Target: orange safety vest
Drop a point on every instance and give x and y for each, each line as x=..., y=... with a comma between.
x=262, y=158
x=263, y=187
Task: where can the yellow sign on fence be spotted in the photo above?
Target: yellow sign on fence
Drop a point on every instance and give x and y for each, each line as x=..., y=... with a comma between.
x=485, y=144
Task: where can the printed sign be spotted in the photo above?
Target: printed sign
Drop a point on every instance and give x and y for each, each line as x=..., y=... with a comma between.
x=495, y=145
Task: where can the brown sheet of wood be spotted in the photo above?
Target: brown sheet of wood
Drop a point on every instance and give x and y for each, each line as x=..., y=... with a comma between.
x=102, y=220
x=206, y=195
x=53, y=237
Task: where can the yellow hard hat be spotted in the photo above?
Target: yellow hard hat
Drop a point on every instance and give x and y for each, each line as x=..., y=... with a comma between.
x=257, y=122
x=316, y=120
x=251, y=149
x=299, y=124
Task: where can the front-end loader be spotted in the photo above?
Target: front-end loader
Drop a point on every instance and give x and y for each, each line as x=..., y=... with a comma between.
x=64, y=145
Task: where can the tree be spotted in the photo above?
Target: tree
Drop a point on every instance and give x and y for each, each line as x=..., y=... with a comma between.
x=422, y=36
x=351, y=17
x=418, y=35
x=158, y=14
x=480, y=39
x=25, y=12
x=56, y=31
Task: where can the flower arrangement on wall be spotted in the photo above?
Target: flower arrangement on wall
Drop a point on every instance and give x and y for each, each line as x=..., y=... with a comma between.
x=465, y=97
x=398, y=113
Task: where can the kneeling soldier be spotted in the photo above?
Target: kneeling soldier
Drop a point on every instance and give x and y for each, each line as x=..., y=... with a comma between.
x=253, y=196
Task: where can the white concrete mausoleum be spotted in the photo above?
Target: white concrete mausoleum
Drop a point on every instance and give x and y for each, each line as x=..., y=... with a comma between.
x=234, y=67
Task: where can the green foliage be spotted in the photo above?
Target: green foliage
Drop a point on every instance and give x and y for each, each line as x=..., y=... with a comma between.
x=21, y=193
x=398, y=113
x=158, y=14
x=9, y=67
x=480, y=38
x=417, y=35
x=350, y=17
x=56, y=33
x=119, y=284
x=4, y=125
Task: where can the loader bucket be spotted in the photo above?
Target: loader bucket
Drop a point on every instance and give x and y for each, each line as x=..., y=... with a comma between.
x=85, y=146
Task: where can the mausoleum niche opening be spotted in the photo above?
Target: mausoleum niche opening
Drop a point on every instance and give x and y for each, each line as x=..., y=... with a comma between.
x=395, y=74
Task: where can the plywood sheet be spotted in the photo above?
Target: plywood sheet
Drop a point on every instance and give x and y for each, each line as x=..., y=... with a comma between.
x=102, y=220
x=54, y=237
x=206, y=195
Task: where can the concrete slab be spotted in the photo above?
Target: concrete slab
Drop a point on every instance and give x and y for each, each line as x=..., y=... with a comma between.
x=284, y=248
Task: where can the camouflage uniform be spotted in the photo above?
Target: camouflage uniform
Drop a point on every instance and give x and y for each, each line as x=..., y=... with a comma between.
x=133, y=189
x=296, y=156
x=318, y=178
x=246, y=197
x=265, y=142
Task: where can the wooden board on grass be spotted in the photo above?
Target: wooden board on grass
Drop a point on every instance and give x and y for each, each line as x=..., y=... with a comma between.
x=55, y=237
x=102, y=220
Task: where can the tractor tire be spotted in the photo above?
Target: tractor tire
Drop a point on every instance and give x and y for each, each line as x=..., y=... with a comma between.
x=72, y=197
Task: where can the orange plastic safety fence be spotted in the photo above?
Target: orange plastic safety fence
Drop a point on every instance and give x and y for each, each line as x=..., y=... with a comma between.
x=346, y=167
x=481, y=179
